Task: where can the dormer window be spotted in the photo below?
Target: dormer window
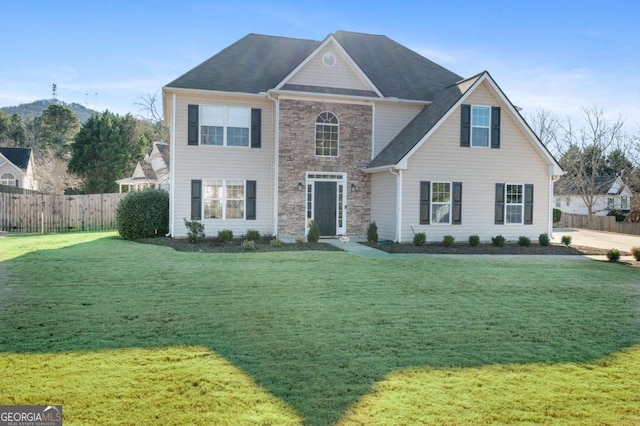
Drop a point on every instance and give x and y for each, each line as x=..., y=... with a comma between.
x=327, y=130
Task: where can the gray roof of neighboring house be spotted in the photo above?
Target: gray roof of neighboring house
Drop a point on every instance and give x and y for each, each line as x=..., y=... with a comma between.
x=165, y=152
x=569, y=185
x=417, y=128
x=257, y=63
x=18, y=156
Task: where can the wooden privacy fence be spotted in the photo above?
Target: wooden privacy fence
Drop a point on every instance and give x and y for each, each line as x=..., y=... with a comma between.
x=598, y=223
x=58, y=213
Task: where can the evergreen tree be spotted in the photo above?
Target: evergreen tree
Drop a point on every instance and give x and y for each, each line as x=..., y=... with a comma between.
x=58, y=126
x=105, y=149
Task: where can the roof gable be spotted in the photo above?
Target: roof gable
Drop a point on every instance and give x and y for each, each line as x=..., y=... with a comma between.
x=410, y=139
x=329, y=67
x=18, y=156
x=601, y=185
x=257, y=63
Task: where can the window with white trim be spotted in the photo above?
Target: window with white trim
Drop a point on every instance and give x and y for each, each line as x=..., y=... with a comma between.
x=611, y=203
x=624, y=202
x=327, y=135
x=224, y=126
x=514, y=203
x=8, y=179
x=441, y=202
x=224, y=199
x=480, y=125
x=558, y=203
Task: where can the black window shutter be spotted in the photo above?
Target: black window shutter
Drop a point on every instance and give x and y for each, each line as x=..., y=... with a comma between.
x=425, y=195
x=251, y=200
x=256, y=128
x=196, y=200
x=528, y=204
x=465, y=126
x=499, y=203
x=456, y=204
x=192, y=125
x=495, y=127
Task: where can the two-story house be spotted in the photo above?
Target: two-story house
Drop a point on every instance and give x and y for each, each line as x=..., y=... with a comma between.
x=272, y=133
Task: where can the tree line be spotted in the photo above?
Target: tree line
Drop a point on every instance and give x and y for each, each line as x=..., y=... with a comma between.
x=72, y=157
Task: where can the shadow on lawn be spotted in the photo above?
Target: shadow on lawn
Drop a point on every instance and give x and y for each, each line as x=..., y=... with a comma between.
x=316, y=329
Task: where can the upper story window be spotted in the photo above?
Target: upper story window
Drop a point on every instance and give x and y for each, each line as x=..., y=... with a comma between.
x=7, y=179
x=480, y=125
x=224, y=126
x=327, y=132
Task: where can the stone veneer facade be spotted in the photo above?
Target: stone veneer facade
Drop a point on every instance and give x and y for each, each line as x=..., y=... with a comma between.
x=297, y=157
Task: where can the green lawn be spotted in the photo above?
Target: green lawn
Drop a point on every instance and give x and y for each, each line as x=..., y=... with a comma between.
x=124, y=333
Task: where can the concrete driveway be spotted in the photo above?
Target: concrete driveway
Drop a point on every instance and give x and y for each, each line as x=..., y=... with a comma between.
x=597, y=239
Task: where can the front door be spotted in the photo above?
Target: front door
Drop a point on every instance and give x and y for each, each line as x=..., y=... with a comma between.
x=325, y=207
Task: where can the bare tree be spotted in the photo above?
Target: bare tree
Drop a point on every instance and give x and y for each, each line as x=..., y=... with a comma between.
x=150, y=112
x=546, y=125
x=52, y=174
x=586, y=149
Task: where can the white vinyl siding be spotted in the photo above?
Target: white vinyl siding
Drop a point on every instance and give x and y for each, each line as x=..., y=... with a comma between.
x=389, y=120
x=340, y=75
x=383, y=204
x=203, y=162
x=442, y=159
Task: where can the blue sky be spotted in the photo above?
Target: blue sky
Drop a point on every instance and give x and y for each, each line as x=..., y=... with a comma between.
x=558, y=55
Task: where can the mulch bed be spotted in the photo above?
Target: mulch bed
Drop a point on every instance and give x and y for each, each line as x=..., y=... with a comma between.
x=214, y=245
x=508, y=248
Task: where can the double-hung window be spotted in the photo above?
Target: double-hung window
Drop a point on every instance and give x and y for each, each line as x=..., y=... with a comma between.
x=224, y=199
x=610, y=203
x=224, y=126
x=624, y=202
x=480, y=125
x=514, y=203
x=440, y=202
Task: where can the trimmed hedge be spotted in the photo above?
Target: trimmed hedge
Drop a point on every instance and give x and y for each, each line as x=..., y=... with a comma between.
x=143, y=214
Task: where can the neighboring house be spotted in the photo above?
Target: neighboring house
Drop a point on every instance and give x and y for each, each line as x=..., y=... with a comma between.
x=17, y=168
x=605, y=193
x=272, y=133
x=151, y=172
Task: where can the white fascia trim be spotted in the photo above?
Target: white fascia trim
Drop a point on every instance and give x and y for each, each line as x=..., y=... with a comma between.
x=172, y=167
x=350, y=62
x=324, y=97
x=204, y=92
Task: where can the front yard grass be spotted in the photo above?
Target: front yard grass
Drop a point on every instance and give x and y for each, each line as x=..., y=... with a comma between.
x=124, y=333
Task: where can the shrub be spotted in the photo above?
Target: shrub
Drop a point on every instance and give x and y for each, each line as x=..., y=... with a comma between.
x=524, y=241
x=498, y=240
x=226, y=235
x=635, y=252
x=372, y=233
x=267, y=238
x=248, y=244
x=566, y=240
x=618, y=214
x=252, y=235
x=557, y=215
x=419, y=239
x=448, y=240
x=474, y=240
x=276, y=242
x=314, y=232
x=613, y=255
x=299, y=240
x=544, y=239
x=143, y=214
x=195, y=231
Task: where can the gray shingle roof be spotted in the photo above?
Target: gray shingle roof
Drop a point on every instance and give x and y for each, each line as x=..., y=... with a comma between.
x=394, y=69
x=253, y=64
x=257, y=63
x=18, y=156
x=570, y=185
x=419, y=126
